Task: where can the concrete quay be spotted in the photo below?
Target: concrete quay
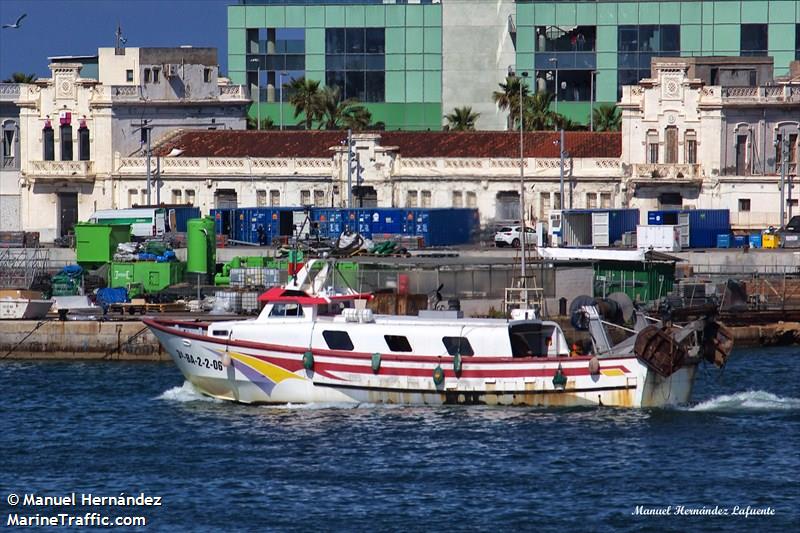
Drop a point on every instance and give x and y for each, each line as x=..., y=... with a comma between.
x=79, y=340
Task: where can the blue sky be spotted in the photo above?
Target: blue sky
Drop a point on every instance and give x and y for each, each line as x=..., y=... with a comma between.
x=80, y=27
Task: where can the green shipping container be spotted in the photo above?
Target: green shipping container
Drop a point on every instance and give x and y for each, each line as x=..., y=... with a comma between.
x=152, y=276
x=95, y=244
x=642, y=282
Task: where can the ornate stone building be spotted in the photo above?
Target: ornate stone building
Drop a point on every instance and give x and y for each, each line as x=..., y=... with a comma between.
x=74, y=129
x=399, y=169
x=689, y=144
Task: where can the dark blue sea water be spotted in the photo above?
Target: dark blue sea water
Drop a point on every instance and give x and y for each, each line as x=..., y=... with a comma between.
x=106, y=428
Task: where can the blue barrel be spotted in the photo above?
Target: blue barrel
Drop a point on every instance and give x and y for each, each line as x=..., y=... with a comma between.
x=755, y=240
x=723, y=240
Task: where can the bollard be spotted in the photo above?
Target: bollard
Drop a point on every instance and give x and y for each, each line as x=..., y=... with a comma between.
x=562, y=306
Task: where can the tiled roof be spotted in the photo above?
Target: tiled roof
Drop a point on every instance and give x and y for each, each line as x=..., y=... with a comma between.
x=228, y=143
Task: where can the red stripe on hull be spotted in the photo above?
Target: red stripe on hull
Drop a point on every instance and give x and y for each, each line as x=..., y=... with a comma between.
x=361, y=356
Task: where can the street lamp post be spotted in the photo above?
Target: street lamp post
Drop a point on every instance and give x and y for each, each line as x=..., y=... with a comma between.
x=258, y=90
x=280, y=92
x=561, y=156
x=591, y=101
x=554, y=61
x=523, y=236
x=783, y=146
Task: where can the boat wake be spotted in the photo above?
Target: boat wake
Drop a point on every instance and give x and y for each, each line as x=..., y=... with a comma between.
x=333, y=405
x=186, y=393
x=747, y=401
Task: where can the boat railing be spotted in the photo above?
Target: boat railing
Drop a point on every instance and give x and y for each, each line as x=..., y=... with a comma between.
x=523, y=298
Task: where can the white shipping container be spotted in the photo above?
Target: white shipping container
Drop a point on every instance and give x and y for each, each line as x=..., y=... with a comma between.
x=658, y=238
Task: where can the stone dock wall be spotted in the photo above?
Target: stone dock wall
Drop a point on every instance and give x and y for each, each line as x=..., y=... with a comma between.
x=71, y=339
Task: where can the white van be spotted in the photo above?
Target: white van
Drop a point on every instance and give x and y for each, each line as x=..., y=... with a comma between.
x=145, y=222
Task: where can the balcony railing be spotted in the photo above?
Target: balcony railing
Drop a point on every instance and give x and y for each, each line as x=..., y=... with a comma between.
x=9, y=92
x=669, y=171
x=72, y=170
x=9, y=163
x=234, y=92
x=752, y=95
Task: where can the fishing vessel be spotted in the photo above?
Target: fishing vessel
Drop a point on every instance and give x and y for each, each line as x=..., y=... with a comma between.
x=306, y=348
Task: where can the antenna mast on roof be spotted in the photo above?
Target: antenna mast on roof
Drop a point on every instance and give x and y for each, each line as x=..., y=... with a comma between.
x=119, y=41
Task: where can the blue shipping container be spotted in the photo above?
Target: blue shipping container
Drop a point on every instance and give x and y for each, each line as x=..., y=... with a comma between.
x=181, y=215
x=704, y=224
x=224, y=221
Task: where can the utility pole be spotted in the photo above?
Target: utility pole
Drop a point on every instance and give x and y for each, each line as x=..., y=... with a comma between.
x=561, y=155
x=784, y=151
x=523, y=235
x=349, y=169
x=591, y=101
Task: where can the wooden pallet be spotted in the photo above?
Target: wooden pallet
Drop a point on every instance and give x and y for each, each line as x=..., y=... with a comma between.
x=145, y=308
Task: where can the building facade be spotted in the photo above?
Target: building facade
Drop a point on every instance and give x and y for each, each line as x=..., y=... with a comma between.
x=9, y=157
x=72, y=128
x=400, y=169
x=413, y=61
x=691, y=145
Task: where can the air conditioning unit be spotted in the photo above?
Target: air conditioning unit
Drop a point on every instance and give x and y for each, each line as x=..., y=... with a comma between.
x=170, y=70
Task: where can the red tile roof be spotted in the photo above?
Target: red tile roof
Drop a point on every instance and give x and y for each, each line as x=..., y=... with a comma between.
x=228, y=143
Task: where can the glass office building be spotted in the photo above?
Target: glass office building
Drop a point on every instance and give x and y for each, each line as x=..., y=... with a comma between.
x=389, y=53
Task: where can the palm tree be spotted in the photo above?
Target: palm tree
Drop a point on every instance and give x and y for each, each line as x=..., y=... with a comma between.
x=266, y=123
x=306, y=99
x=462, y=119
x=537, y=115
x=508, y=98
x=335, y=113
x=21, y=77
x=607, y=118
x=356, y=117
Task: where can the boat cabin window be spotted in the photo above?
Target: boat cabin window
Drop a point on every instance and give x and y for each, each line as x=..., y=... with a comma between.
x=458, y=346
x=528, y=340
x=397, y=343
x=219, y=332
x=288, y=309
x=337, y=340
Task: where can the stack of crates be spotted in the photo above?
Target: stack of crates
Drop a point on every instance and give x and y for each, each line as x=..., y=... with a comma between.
x=254, y=277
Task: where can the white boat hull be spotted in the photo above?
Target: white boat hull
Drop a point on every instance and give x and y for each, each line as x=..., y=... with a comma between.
x=250, y=372
x=23, y=308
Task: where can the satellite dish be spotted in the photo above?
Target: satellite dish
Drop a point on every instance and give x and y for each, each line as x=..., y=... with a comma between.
x=625, y=304
x=576, y=318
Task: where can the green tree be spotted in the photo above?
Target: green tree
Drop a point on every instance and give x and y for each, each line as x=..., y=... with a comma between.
x=21, y=77
x=266, y=123
x=335, y=113
x=607, y=118
x=305, y=96
x=507, y=98
x=537, y=113
x=462, y=119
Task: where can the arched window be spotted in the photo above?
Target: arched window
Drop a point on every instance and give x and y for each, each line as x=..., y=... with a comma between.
x=671, y=145
x=66, y=142
x=83, y=141
x=652, y=147
x=8, y=153
x=690, y=147
x=48, y=141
